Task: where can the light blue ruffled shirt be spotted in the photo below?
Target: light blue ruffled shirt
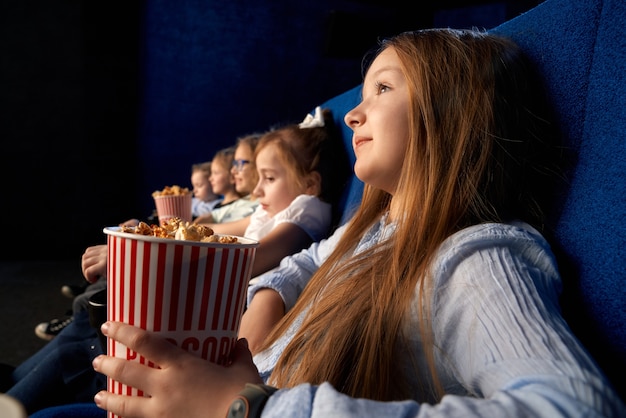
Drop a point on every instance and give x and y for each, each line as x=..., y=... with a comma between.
x=504, y=348
x=308, y=212
x=202, y=207
x=236, y=210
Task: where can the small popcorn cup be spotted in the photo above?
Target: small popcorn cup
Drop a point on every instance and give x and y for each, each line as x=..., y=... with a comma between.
x=173, y=206
x=191, y=293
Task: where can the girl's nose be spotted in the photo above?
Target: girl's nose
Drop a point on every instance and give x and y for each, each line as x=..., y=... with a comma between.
x=258, y=190
x=353, y=118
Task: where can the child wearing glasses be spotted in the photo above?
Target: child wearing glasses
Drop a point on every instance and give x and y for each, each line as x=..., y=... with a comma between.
x=234, y=205
x=243, y=169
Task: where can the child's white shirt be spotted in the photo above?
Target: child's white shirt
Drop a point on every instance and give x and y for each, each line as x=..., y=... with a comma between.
x=306, y=211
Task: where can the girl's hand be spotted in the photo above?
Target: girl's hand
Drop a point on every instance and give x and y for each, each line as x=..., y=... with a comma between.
x=184, y=385
x=204, y=219
x=94, y=262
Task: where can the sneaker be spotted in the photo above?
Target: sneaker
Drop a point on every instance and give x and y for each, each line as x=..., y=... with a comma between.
x=48, y=330
x=73, y=290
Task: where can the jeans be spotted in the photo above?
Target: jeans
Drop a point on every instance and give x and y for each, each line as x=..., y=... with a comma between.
x=61, y=372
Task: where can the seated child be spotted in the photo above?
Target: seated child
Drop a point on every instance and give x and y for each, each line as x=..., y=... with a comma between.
x=244, y=168
x=204, y=198
x=235, y=205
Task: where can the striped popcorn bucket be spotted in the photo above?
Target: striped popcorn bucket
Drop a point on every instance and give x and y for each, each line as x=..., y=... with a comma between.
x=191, y=293
x=173, y=206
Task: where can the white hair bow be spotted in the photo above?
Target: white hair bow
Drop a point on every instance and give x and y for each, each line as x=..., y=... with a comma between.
x=316, y=121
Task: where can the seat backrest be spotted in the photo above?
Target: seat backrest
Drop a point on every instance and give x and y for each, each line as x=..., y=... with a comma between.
x=580, y=50
x=340, y=105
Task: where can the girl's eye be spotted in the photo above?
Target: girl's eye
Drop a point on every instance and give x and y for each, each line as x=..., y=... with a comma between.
x=381, y=88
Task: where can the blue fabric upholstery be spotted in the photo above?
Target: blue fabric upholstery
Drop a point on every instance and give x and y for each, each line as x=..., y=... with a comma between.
x=340, y=105
x=581, y=51
x=580, y=47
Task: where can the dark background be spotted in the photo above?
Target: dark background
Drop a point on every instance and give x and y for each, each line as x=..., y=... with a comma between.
x=103, y=102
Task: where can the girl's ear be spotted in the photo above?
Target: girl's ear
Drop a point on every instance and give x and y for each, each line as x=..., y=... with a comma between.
x=313, y=183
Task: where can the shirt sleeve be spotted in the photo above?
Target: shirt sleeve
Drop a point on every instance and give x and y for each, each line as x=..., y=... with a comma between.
x=500, y=337
x=310, y=214
x=294, y=272
x=497, y=318
x=200, y=207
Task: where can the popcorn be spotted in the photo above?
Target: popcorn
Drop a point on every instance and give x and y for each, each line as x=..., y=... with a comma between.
x=191, y=232
x=174, y=190
x=177, y=229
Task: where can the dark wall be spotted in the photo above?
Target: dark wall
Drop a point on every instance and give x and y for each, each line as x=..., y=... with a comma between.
x=105, y=101
x=68, y=111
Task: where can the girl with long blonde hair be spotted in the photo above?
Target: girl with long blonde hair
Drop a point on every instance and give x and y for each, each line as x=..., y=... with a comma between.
x=440, y=292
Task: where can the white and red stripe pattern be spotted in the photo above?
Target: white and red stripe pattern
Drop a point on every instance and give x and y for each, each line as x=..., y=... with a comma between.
x=173, y=206
x=191, y=293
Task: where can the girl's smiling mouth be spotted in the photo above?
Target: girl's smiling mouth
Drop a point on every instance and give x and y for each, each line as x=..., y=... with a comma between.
x=359, y=140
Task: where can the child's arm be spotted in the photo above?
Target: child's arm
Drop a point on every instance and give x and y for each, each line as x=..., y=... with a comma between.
x=267, y=306
x=237, y=227
x=283, y=240
x=264, y=311
x=205, y=219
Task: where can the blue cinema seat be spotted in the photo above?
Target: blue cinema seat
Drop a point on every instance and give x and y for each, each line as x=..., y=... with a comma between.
x=580, y=49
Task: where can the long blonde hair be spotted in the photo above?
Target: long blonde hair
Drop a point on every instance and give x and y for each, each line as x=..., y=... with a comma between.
x=477, y=123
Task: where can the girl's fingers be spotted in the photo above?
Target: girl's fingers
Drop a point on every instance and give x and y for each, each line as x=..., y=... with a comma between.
x=130, y=373
x=180, y=381
x=123, y=406
x=152, y=347
x=156, y=350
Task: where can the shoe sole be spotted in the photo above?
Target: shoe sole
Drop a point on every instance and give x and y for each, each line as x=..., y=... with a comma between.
x=68, y=292
x=40, y=331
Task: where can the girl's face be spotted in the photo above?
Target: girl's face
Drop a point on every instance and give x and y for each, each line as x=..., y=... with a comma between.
x=275, y=189
x=202, y=189
x=244, y=173
x=221, y=179
x=380, y=123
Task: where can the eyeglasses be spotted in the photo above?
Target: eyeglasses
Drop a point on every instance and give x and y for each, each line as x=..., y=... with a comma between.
x=239, y=164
